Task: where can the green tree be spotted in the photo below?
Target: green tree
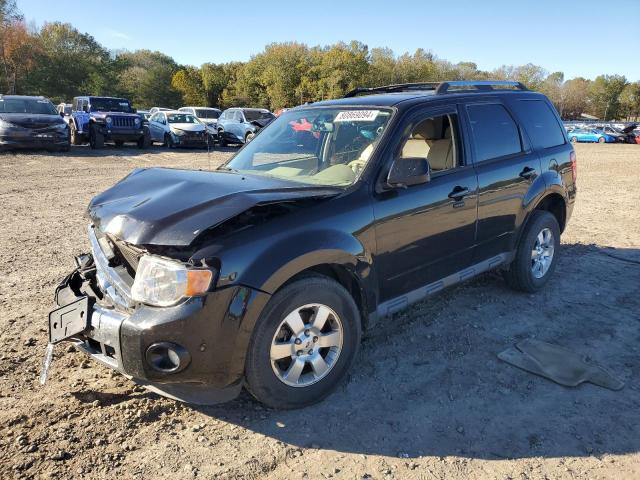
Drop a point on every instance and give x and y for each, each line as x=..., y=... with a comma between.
x=575, y=98
x=630, y=101
x=71, y=63
x=188, y=81
x=146, y=76
x=604, y=93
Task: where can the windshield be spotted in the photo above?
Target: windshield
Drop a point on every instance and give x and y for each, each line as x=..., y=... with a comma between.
x=110, y=105
x=27, y=105
x=202, y=113
x=318, y=146
x=181, y=118
x=253, y=115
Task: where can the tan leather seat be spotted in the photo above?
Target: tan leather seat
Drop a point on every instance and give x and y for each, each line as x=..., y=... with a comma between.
x=417, y=146
x=441, y=153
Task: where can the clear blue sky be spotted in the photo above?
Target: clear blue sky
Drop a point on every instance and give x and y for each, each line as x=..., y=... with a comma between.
x=579, y=37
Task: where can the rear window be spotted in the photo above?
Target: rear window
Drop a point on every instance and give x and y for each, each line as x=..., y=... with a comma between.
x=540, y=122
x=495, y=134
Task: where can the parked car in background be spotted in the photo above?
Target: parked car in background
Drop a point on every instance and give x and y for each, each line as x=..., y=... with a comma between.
x=626, y=133
x=240, y=125
x=145, y=114
x=207, y=115
x=590, y=135
x=100, y=119
x=64, y=110
x=159, y=109
x=178, y=129
x=31, y=122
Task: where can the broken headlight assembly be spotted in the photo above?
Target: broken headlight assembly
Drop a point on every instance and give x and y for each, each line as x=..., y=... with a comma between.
x=162, y=282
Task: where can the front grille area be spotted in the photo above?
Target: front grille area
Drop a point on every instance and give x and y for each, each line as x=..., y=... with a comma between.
x=129, y=255
x=123, y=122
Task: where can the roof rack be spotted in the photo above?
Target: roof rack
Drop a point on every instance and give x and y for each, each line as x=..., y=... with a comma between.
x=398, y=87
x=440, y=88
x=477, y=85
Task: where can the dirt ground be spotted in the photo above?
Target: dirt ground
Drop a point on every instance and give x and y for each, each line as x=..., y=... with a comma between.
x=427, y=398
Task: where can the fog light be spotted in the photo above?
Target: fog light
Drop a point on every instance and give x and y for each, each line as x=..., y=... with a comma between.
x=167, y=357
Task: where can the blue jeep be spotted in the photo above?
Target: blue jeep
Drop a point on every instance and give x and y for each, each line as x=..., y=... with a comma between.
x=99, y=119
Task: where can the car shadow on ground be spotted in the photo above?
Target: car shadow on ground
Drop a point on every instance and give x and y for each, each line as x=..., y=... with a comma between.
x=428, y=382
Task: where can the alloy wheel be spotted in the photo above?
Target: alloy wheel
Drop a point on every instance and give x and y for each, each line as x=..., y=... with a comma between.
x=306, y=345
x=542, y=253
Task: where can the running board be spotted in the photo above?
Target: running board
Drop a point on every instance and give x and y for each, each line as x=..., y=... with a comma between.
x=400, y=303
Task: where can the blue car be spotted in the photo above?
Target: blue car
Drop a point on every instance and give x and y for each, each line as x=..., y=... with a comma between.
x=590, y=135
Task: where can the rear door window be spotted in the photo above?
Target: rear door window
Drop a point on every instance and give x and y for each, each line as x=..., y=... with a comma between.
x=540, y=123
x=493, y=131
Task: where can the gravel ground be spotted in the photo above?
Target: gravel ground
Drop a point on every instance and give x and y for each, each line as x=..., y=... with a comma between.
x=427, y=397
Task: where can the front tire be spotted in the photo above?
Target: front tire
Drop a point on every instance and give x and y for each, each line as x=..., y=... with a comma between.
x=249, y=136
x=536, y=256
x=145, y=140
x=96, y=140
x=303, y=344
x=168, y=141
x=602, y=140
x=574, y=139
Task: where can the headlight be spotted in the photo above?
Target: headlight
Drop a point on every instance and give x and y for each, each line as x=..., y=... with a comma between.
x=177, y=132
x=137, y=121
x=108, y=120
x=163, y=282
x=5, y=124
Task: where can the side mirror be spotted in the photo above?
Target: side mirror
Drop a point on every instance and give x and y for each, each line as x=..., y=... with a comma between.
x=85, y=108
x=134, y=110
x=62, y=114
x=406, y=172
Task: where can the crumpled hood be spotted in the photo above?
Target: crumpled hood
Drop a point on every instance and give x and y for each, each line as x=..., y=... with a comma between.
x=162, y=206
x=188, y=127
x=30, y=120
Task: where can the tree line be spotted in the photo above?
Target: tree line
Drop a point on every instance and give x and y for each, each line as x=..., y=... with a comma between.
x=59, y=61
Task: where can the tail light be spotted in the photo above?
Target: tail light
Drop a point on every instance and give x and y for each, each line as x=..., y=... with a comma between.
x=574, y=165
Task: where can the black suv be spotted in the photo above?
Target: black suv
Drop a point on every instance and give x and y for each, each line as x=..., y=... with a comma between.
x=266, y=272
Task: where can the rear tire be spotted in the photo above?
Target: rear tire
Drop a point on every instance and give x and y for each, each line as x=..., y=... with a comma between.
x=315, y=300
x=532, y=268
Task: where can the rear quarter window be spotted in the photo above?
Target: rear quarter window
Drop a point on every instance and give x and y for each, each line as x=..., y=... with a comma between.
x=494, y=132
x=540, y=122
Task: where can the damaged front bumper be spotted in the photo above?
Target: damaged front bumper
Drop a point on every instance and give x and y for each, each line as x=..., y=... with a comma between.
x=193, y=351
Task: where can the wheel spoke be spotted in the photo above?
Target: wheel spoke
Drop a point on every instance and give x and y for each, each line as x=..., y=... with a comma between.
x=293, y=374
x=295, y=322
x=320, y=318
x=281, y=350
x=534, y=254
x=319, y=365
x=540, y=239
x=331, y=339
